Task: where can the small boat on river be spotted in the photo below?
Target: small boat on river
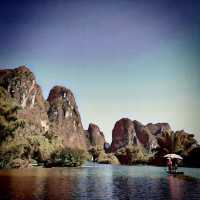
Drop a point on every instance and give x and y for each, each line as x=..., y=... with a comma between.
x=173, y=166
x=175, y=172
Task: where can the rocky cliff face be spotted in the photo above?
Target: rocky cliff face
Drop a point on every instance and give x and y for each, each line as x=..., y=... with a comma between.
x=127, y=132
x=94, y=136
x=131, y=140
x=145, y=135
x=158, y=128
x=20, y=83
x=46, y=125
x=64, y=117
x=123, y=134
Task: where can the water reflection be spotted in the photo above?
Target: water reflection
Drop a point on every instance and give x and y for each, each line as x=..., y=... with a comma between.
x=96, y=182
x=174, y=188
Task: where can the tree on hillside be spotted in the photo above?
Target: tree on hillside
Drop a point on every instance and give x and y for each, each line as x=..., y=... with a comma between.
x=8, y=119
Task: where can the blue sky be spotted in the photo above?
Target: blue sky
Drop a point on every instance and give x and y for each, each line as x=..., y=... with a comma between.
x=136, y=59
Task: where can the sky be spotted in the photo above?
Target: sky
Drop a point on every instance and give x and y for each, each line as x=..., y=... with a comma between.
x=121, y=58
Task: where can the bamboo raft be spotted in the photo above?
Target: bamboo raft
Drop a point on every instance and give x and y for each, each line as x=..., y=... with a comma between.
x=175, y=172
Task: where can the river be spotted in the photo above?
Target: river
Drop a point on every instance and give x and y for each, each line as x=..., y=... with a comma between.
x=99, y=182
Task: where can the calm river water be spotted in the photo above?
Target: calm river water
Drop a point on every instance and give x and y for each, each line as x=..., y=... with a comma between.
x=93, y=181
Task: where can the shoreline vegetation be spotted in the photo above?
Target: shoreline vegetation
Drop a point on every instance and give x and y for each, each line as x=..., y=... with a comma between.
x=49, y=133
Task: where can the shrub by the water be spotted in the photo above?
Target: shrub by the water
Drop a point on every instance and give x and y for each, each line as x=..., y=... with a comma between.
x=132, y=154
x=95, y=151
x=67, y=158
x=109, y=158
x=27, y=148
x=32, y=149
x=98, y=154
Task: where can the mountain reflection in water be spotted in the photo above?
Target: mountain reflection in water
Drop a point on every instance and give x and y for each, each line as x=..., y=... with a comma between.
x=94, y=181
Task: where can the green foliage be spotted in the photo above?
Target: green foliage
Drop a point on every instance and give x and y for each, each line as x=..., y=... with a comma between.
x=18, y=163
x=95, y=152
x=68, y=157
x=17, y=148
x=30, y=147
x=132, y=154
x=179, y=142
x=183, y=143
x=14, y=149
x=165, y=140
x=98, y=154
x=109, y=158
x=43, y=147
x=8, y=119
x=19, y=74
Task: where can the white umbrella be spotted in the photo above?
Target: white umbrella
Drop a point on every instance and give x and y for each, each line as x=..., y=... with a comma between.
x=173, y=156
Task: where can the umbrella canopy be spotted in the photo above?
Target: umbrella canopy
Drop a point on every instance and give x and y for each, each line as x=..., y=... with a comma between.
x=173, y=156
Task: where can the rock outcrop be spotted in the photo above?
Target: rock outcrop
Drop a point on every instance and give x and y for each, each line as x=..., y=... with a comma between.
x=133, y=142
x=158, y=128
x=94, y=136
x=33, y=129
x=64, y=117
x=129, y=141
x=20, y=83
x=123, y=134
x=46, y=126
x=145, y=135
x=98, y=148
x=128, y=132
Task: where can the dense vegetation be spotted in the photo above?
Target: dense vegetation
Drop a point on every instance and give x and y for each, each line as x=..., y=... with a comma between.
x=8, y=119
x=67, y=158
x=132, y=154
x=25, y=151
x=19, y=148
x=178, y=142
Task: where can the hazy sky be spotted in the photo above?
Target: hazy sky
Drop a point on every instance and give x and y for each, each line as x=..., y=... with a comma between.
x=138, y=59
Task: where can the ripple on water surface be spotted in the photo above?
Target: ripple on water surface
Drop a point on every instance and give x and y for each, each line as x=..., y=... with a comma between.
x=94, y=181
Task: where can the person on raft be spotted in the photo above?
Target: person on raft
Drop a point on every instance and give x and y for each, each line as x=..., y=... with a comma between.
x=169, y=164
x=175, y=165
